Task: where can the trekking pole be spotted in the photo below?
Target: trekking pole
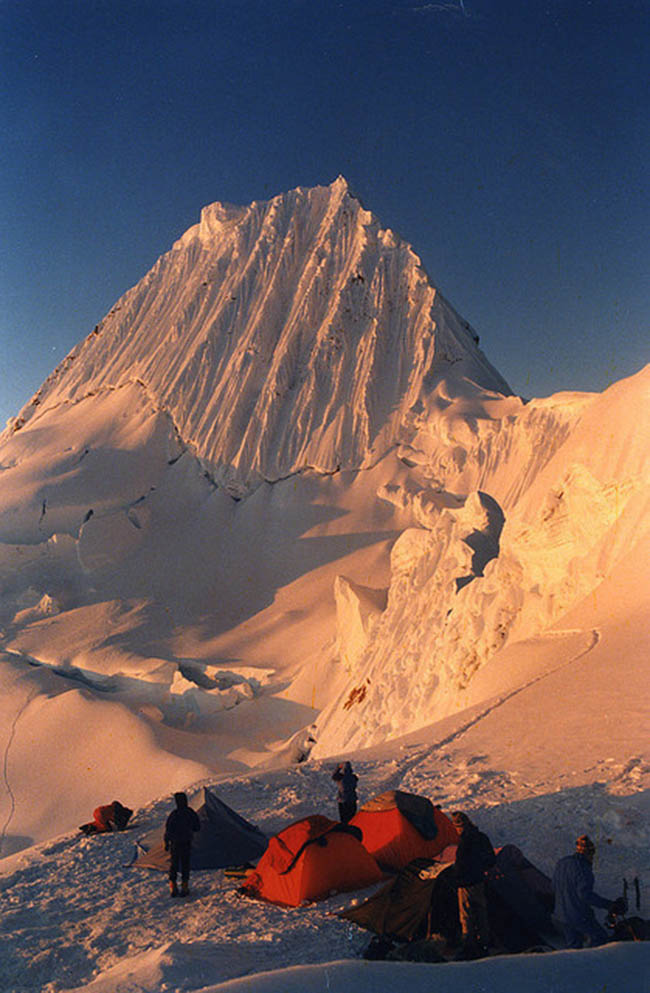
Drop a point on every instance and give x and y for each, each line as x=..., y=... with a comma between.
x=637, y=891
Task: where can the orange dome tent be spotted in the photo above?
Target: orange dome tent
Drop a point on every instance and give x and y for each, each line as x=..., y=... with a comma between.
x=399, y=827
x=308, y=861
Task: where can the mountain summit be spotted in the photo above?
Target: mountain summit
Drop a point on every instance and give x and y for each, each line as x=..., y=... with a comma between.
x=292, y=333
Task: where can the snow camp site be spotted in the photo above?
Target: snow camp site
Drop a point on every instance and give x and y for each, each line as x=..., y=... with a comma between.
x=277, y=511
x=78, y=914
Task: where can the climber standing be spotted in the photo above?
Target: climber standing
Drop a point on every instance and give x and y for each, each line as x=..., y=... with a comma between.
x=474, y=857
x=181, y=825
x=347, y=797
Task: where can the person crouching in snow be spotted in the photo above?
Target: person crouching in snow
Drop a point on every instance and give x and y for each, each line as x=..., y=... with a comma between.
x=474, y=856
x=111, y=817
x=573, y=883
x=179, y=830
x=347, y=781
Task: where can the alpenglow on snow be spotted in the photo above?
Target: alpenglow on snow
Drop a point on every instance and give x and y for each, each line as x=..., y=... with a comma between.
x=292, y=333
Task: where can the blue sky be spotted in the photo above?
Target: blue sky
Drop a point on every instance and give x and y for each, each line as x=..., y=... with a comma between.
x=507, y=141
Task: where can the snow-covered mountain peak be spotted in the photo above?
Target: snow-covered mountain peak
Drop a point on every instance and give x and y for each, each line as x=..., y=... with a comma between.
x=218, y=218
x=292, y=333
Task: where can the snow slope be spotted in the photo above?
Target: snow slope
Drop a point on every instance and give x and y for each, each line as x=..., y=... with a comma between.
x=487, y=569
x=276, y=509
x=76, y=915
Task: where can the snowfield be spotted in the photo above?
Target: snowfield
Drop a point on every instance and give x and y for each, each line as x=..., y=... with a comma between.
x=278, y=510
x=77, y=915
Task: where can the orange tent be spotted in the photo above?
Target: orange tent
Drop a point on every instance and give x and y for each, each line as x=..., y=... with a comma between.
x=308, y=861
x=399, y=827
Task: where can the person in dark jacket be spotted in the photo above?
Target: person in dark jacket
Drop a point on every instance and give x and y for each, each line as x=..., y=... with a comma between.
x=474, y=856
x=347, y=781
x=179, y=830
x=573, y=883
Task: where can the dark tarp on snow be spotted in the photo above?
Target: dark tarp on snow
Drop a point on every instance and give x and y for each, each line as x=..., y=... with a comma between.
x=402, y=907
x=224, y=839
x=520, y=901
x=422, y=900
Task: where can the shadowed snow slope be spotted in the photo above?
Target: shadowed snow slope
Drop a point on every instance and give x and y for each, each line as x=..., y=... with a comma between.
x=277, y=508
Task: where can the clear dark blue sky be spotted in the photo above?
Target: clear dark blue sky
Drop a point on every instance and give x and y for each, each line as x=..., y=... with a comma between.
x=507, y=141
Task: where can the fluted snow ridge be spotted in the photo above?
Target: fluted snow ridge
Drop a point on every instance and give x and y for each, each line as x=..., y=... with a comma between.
x=294, y=332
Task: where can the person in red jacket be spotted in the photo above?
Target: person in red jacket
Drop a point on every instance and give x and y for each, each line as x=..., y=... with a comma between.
x=179, y=830
x=111, y=817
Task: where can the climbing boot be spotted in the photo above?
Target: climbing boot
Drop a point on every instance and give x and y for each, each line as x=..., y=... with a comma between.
x=173, y=888
x=185, y=889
